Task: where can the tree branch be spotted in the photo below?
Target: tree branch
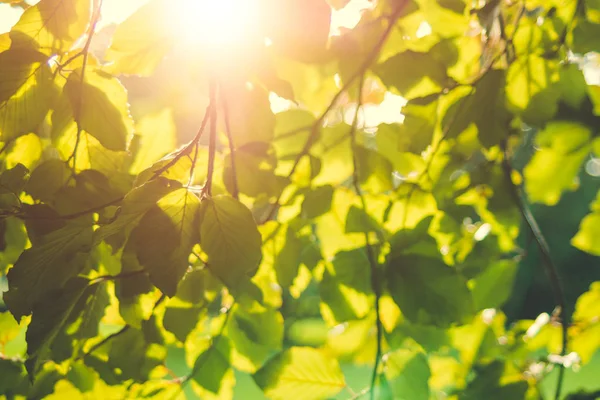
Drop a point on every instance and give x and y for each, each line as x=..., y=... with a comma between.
x=232, y=154
x=370, y=254
x=212, y=144
x=122, y=275
x=188, y=147
x=316, y=126
x=549, y=266
x=79, y=105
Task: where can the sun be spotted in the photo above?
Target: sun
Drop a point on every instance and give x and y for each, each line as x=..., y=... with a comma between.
x=218, y=24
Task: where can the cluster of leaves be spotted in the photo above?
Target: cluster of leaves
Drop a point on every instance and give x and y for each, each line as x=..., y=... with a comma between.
x=114, y=255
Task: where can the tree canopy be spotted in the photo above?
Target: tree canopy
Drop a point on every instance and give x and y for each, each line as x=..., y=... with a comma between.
x=207, y=195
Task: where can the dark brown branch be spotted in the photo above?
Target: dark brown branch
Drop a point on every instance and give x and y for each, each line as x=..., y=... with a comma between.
x=104, y=341
x=117, y=333
x=188, y=147
x=231, y=145
x=549, y=266
x=375, y=284
x=79, y=105
x=212, y=143
x=122, y=275
x=316, y=127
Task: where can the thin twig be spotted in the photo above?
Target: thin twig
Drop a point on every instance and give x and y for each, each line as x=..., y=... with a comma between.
x=117, y=333
x=360, y=394
x=549, y=266
x=200, y=360
x=212, y=140
x=5, y=145
x=293, y=132
x=104, y=341
x=370, y=254
x=188, y=147
x=79, y=105
x=122, y=275
x=316, y=127
x=231, y=145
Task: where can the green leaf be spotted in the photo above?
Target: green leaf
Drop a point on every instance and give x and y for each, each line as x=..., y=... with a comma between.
x=594, y=93
x=90, y=308
x=250, y=115
x=572, y=85
x=47, y=179
x=254, y=334
x=191, y=287
x=301, y=373
x=48, y=265
x=428, y=291
x=588, y=237
x=421, y=74
x=292, y=128
x=493, y=287
x=358, y=221
x=374, y=170
x=50, y=314
x=212, y=367
x=488, y=383
x=133, y=357
x=530, y=89
x=181, y=320
x=13, y=240
x=230, y=238
x=12, y=182
x=100, y=106
x=157, y=134
x=164, y=237
x=13, y=380
x=135, y=204
x=317, y=201
x=255, y=164
x=416, y=132
x=345, y=288
x=552, y=169
x=139, y=44
x=485, y=108
x=52, y=25
x=26, y=92
x=408, y=374
x=290, y=37
x=585, y=37
x=287, y=261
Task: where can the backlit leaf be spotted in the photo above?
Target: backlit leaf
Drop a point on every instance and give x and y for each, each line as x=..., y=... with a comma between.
x=228, y=234
x=48, y=265
x=413, y=74
x=26, y=91
x=588, y=236
x=139, y=45
x=51, y=312
x=553, y=168
x=428, y=291
x=408, y=374
x=52, y=25
x=100, y=107
x=302, y=373
x=164, y=237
